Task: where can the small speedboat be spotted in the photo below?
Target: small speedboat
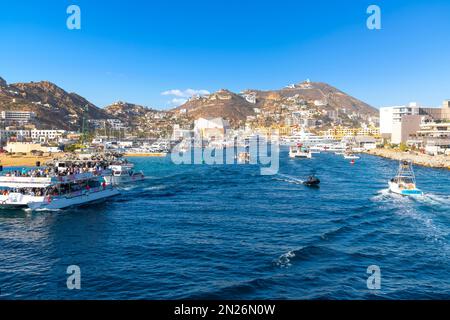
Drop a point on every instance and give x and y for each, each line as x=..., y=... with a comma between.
x=404, y=183
x=123, y=173
x=312, y=181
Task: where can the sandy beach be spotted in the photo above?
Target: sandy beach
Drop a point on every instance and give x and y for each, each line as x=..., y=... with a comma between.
x=440, y=161
x=25, y=160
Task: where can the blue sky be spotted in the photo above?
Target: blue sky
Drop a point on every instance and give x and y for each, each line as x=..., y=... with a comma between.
x=134, y=51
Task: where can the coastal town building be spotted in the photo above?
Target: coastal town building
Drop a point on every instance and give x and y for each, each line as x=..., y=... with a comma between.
x=32, y=135
x=390, y=116
x=18, y=134
x=340, y=132
x=46, y=135
x=408, y=126
x=434, y=135
x=19, y=117
x=113, y=124
x=179, y=133
x=401, y=124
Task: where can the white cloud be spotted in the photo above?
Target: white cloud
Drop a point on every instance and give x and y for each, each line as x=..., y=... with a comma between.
x=188, y=93
x=182, y=96
x=175, y=102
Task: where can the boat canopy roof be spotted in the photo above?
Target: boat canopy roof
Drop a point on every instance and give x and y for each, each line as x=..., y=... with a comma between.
x=42, y=182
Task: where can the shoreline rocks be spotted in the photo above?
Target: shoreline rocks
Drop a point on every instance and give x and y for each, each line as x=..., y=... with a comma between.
x=439, y=162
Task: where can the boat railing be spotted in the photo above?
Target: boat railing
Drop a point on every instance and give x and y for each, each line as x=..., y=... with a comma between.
x=24, y=180
x=51, y=180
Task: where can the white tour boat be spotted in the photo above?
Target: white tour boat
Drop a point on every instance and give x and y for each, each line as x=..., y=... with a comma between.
x=123, y=173
x=404, y=182
x=53, y=192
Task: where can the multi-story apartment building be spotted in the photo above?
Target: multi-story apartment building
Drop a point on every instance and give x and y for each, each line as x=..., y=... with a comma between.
x=21, y=117
x=401, y=123
x=391, y=118
x=34, y=135
x=46, y=135
x=435, y=135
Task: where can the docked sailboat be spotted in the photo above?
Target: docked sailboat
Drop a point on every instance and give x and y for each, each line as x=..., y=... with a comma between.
x=404, y=183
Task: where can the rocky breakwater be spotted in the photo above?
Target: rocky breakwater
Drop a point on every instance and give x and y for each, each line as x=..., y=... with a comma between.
x=440, y=161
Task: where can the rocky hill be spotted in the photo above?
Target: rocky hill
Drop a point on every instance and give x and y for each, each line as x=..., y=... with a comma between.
x=129, y=113
x=54, y=107
x=222, y=103
x=312, y=95
x=317, y=93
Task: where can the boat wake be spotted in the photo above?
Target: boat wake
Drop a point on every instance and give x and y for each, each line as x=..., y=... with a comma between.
x=284, y=261
x=427, y=198
x=405, y=207
x=290, y=179
x=158, y=187
x=437, y=200
x=386, y=194
x=307, y=253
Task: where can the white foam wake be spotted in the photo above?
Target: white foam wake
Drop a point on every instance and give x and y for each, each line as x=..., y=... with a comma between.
x=290, y=179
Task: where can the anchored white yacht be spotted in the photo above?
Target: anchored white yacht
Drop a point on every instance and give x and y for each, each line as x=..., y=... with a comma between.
x=316, y=143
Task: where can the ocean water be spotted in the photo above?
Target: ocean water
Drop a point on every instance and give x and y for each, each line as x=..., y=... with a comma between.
x=226, y=232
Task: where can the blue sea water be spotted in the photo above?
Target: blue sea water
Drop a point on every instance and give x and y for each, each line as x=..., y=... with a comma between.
x=226, y=232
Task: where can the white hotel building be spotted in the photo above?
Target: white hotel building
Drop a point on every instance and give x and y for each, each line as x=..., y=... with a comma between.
x=35, y=135
x=17, y=116
x=398, y=122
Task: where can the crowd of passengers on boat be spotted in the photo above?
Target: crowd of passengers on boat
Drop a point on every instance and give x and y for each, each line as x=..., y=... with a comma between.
x=53, y=171
x=62, y=189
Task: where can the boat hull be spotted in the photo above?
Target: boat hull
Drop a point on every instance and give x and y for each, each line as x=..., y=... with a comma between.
x=66, y=202
x=17, y=201
x=414, y=192
x=123, y=179
x=295, y=155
